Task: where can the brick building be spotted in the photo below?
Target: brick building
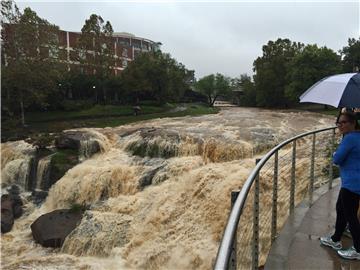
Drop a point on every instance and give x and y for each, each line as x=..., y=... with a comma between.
x=126, y=47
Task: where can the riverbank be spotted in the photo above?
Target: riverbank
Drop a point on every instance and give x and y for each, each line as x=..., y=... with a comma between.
x=97, y=116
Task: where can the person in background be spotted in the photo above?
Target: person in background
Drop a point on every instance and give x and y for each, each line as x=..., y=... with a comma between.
x=347, y=156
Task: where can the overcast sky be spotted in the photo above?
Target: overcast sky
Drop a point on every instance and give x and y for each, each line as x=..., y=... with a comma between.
x=213, y=36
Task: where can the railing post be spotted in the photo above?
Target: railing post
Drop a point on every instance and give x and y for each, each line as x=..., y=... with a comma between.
x=312, y=170
x=331, y=172
x=255, y=243
x=233, y=261
x=292, y=183
x=275, y=196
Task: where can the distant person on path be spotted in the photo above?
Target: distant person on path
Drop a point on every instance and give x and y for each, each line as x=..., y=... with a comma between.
x=136, y=109
x=347, y=156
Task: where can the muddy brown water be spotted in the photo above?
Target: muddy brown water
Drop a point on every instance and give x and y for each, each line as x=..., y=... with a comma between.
x=177, y=220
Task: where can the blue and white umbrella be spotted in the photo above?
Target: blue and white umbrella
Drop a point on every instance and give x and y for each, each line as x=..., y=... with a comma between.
x=342, y=90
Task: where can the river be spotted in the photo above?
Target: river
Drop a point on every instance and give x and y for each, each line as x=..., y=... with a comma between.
x=158, y=193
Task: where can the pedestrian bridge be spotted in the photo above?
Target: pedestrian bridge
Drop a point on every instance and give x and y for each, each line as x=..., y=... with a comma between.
x=285, y=205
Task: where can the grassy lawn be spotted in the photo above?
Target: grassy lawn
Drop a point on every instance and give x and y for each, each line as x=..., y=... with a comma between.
x=97, y=116
x=94, y=112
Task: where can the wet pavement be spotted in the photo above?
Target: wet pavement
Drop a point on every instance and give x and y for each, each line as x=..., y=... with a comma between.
x=298, y=246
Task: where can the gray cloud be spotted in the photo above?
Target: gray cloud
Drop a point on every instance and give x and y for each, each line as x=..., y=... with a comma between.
x=212, y=37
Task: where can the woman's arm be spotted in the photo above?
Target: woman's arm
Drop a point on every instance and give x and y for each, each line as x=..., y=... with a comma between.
x=343, y=150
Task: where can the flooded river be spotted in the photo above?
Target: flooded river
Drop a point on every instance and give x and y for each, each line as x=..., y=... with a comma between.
x=158, y=193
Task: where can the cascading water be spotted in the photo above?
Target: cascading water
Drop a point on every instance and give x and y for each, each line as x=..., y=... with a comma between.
x=16, y=163
x=158, y=193
x=43, y=172
x=87, y=149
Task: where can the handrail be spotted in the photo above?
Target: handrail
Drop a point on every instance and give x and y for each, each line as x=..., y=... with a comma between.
x=224, y=252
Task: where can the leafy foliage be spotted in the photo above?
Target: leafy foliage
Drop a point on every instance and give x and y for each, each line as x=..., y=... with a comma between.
x=155, y=75
x=351, y=53
x=214, y=86
x=271, y=69
x=310, y=65
x=29, y=74
x=245, y=94
x=95, y=52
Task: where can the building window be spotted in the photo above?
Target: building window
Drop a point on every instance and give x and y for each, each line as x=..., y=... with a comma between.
x=124, y=53
x=145, y=46
x=125, y=42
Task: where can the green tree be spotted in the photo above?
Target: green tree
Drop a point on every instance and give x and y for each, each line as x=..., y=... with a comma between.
x=214, y=86
x=307, y=67
x=244, y=91
x=351, y=56
x=270, y=72
x=155, y=75
x=115, y=88
x=95, y=51
x=29, y=74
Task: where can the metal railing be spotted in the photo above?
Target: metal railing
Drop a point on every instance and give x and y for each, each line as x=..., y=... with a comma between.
x=306, y=162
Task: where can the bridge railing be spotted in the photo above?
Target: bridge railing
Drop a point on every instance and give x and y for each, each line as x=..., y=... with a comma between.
x=282, y=178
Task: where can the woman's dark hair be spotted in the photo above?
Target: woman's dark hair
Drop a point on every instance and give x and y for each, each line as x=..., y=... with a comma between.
x=351, y=117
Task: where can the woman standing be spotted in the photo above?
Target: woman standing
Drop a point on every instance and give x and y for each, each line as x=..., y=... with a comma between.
x=347, y=156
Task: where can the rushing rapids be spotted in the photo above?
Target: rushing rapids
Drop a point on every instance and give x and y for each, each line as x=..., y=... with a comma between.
x=157, y=193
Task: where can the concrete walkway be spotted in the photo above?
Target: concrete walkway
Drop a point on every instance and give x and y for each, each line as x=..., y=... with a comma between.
x=298, y=246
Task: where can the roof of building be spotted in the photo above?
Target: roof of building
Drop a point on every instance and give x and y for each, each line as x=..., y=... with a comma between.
x=121, y=34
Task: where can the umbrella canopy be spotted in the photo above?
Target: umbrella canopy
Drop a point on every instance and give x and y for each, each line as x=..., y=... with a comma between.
x=342, y=90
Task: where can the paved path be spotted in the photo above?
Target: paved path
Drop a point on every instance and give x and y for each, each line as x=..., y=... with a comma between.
x=298, y=247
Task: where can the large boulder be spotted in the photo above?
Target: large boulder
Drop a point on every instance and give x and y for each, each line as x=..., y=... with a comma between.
x=84, y=142
x=72, y=139
x=69, y=140
x=147, y=178
x=7, y=216
x=11, y=208
x=17, y=204
x=51, y=229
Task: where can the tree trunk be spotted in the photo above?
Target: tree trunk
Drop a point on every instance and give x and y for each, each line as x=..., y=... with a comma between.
x=210, y=101
x=104, y=93
x=70, y=95
x=96, y=96
x=22, y=112
x=213, y=101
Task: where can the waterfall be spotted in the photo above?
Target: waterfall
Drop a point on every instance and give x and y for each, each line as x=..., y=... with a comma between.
x=17, y=160
x=43, y=172
x=165, y=146
x=88, y=148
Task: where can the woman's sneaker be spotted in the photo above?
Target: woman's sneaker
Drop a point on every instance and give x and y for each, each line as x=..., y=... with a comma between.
x=347, y=232
x=327, y=241
x=349, y=254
